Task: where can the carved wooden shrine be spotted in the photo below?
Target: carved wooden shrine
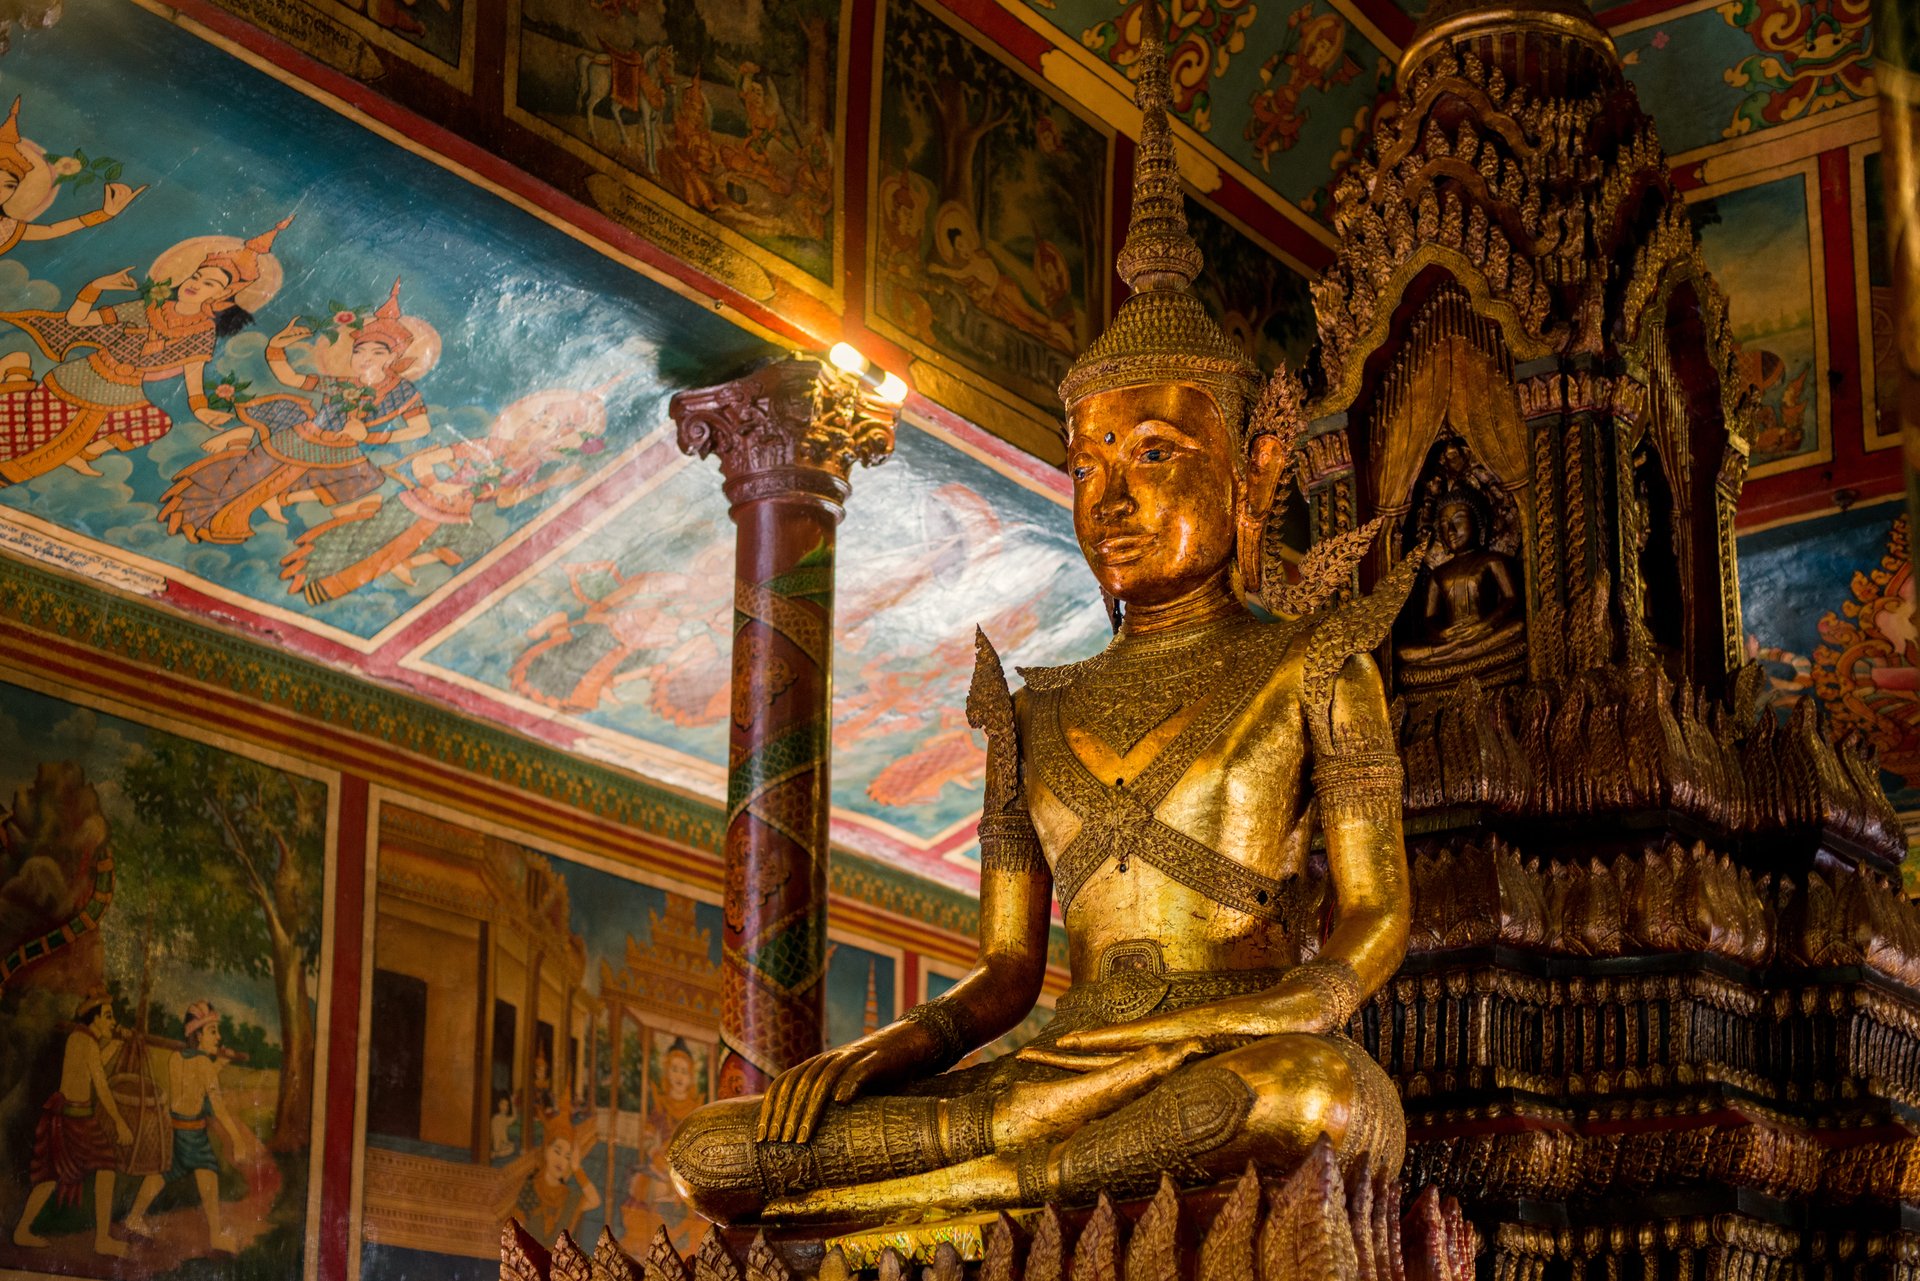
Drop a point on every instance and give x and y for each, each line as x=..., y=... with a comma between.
x=1660, y=1018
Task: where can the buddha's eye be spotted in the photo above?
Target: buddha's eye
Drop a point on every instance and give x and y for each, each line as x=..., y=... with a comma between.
x=1157, y=454
x=1081, y=471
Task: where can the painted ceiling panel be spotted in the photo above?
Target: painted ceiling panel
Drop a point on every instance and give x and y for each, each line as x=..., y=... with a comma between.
x=625, y=629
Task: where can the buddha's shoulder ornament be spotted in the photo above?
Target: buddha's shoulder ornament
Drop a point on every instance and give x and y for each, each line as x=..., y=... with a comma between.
x=1007, y=839
x=1352, y=626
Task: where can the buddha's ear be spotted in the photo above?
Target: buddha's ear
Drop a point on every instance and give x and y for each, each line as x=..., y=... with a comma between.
x=1267, y=459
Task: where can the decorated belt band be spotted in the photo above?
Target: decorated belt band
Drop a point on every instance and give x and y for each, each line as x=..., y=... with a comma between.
x=1133, y=993
x=188, y=1122
x=77, y=1111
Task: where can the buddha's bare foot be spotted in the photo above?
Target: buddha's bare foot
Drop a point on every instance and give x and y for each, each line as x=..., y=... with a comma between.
x=1037, y=1111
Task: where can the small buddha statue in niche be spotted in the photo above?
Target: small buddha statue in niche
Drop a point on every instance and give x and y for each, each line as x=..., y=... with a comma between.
x=1165, y=792
x=1472, y=608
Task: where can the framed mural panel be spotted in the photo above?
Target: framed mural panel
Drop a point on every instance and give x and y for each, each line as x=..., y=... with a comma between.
x=166, y=961
x=435, y=35
x=715, y=128
x=1258, y=298
x=536, y=1021
x=989, y=219
x=1760, y=235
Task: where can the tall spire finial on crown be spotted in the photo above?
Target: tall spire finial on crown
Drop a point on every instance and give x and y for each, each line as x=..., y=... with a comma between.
x=1162, y=333
x=1159, y=254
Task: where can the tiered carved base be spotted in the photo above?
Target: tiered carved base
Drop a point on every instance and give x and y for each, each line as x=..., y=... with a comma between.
x=1662, y=1060
x=1308, y=1226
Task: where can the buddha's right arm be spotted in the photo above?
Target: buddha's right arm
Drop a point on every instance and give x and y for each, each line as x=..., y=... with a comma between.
x=1016, y=898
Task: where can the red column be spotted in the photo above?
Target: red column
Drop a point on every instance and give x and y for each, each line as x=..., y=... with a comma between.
x=787, y=437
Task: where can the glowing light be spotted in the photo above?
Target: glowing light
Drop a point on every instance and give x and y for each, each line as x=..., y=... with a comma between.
x=892, y=389
x=847, y=356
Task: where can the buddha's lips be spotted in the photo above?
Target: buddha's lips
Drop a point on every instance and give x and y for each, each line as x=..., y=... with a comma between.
x=1122, y=548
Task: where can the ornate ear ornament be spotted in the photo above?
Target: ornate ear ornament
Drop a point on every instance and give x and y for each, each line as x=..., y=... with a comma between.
x=1279, y=415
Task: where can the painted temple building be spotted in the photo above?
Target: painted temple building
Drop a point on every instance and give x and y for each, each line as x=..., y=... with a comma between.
x=496, y=502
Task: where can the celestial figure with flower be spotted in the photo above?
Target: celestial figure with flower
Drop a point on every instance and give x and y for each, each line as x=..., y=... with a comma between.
x=29, y=180
x=195, y=1104
x=297, y=449
x=89, y=404
x=536, y=444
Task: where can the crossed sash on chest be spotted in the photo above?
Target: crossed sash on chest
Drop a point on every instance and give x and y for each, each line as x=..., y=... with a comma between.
x=1117, y=819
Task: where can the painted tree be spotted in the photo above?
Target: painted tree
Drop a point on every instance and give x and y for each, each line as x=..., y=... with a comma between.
x=232, y=854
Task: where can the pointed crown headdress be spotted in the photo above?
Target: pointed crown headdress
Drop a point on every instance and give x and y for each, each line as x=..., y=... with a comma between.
x=242, y=262
x=1161, y=333
x=12, y=159
x=387, y=326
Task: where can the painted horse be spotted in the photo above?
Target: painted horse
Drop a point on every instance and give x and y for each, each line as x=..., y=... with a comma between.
x=624, y=78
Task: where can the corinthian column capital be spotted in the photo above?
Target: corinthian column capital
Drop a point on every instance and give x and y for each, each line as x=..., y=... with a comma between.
x=790, y=429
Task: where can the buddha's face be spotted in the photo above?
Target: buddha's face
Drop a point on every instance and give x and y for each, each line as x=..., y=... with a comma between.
x=1456, y=526
x=1153, y=489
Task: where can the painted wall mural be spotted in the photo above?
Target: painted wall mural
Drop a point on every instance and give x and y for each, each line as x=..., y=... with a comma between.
x=989, y=196
x=162, y=1007
x=1761, y=241
x=1259, y=301
x=1829, y=611
x=541, y=1022
x=727, y=110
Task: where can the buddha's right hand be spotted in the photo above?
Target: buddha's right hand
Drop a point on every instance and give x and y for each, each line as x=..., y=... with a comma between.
x=792, y=1105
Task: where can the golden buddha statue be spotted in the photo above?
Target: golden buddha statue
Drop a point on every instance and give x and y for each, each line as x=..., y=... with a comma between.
x=1165, y=791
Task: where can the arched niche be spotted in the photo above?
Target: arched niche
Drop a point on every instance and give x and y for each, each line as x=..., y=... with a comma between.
x=1467, y=615
x=1447, y=454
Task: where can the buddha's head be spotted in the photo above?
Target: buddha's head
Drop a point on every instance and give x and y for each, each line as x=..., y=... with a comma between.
x=1168, y=483
x=1457, y=523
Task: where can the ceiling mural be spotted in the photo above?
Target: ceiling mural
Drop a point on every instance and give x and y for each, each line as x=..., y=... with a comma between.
x=403, y=400
x=626, y=632
x=1275, y=88
x=448, y=467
